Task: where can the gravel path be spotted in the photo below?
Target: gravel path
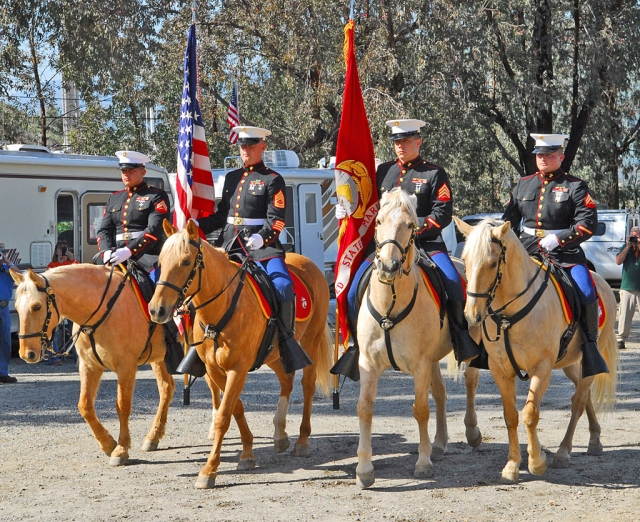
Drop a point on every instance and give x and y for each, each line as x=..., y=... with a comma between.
x=53, y=469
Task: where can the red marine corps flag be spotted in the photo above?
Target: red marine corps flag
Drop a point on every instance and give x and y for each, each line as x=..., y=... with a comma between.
x=355, y=182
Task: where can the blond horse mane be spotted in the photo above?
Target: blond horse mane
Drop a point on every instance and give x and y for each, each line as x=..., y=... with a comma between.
x=396, y=201
x=478, y=244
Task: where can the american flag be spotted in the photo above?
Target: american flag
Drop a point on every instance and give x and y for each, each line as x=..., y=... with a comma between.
x=233, y=116
x=194, y=180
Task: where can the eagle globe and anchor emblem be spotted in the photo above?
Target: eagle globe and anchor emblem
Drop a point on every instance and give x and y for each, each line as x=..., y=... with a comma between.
x=353, y=188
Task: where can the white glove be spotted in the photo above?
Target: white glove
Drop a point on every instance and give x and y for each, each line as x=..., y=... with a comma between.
x=106, y=256
x=341, y=212
x=549, y=242
x=120, y=256
x=254, y=242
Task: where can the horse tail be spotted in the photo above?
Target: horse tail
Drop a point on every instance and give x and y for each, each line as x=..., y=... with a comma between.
x=603, y=389
x=453, y=369
x=324, y=363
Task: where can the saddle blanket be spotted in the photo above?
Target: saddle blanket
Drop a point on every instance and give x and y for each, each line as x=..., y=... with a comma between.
x=304, y=306
x=566, y=307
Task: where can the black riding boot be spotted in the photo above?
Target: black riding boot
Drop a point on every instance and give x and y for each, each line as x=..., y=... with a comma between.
x=347, y=365
x=464, y=347
x=292, y=355
x=592, y=362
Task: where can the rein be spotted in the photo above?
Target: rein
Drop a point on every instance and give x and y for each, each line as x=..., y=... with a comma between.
x=210, y=331
x=504, y=323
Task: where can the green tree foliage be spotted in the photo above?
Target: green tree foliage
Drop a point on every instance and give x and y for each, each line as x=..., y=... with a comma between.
x=482, y=75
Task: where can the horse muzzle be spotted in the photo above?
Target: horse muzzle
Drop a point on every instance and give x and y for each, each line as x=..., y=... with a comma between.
x=474, y=313
x=160, y=313
x=388, y=272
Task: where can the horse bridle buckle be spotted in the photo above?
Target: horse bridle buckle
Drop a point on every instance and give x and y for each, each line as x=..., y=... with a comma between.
x=505, y=324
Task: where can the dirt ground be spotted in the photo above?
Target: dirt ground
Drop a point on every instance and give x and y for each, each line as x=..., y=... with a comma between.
x=51, y=467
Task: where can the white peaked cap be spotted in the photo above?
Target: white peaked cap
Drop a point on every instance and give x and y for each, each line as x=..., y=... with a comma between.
x=404, y=128
x=547, y=142
x=132, y=159
x=250, y=135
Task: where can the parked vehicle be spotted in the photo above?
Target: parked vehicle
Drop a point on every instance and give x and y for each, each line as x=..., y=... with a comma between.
x=48, y=197
x=601, y=249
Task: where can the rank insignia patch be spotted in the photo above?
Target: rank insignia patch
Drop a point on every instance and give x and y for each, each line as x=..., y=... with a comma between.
x=444, y=194
x=278, y=200
x=162, y=207
x=278, y=225
x=588, y=201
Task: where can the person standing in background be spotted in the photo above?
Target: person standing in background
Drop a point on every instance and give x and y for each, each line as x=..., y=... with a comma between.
x=6, y=290
x=628, y=257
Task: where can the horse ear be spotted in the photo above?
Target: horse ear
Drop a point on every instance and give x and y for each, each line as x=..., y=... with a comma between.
x=33, y=276
x=503, y=230
x=192, y=230
x=463, y=226
x=169, y=229
x=16, y=274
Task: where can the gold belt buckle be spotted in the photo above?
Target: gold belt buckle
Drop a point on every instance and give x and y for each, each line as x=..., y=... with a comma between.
x=539, y=233
x=238, y=221
x=126, y=236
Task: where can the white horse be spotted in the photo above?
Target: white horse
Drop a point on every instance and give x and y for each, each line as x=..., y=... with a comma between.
x=502, y=280
x=399, y=322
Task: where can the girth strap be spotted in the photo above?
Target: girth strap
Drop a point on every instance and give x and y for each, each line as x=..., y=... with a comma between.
x=386, y=323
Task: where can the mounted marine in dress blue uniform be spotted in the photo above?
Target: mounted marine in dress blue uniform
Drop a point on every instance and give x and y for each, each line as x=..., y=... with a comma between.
x=430, y=184
x=251, y=214
x=553, y=213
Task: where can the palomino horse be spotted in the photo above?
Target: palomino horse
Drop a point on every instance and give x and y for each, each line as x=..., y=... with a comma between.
x=185, y=259
x=504, y=280
x=83, y=294
x=412, y=337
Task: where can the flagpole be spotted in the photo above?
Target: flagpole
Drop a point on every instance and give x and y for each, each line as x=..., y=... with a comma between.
x=351, y=10
x=186, y=392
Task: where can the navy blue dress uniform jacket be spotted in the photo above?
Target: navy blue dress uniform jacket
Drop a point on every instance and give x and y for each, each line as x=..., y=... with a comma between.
x=139, y=211
x=553, y=201
x=430, y=184
x=254, y=192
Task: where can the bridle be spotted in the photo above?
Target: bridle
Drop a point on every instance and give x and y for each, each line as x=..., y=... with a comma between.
x=46, y=341
x=403, y=250
x=504, y=323
x=198, y=266
x=386, y=322
x=490, y=294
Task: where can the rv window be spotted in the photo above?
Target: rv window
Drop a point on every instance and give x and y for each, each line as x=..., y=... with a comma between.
x=310, y=207
x=288, y=235
x=601, y=229
x=95, y=212
x=155, y=182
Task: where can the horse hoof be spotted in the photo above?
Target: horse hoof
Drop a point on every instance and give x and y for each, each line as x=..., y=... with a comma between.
x=301, y=450
x=149, y=445
x=120, y=460
x=474, y=437
x=423, y=471
x=246, y=465
x=510, y=475
x=595, y=449
x=281, y=445
x=206, y=481
x=560, y=461
x=365, y=480
x=437, y=453
x=538, y=466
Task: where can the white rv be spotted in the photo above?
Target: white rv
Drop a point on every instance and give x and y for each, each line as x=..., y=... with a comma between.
x=46, y=197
